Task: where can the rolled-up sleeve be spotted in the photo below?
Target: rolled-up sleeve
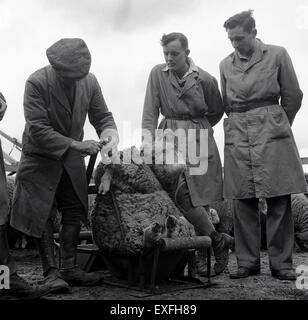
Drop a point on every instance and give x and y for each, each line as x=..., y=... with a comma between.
x=290, y=92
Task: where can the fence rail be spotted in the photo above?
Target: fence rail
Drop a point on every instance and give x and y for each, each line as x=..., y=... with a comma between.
x=304, y=160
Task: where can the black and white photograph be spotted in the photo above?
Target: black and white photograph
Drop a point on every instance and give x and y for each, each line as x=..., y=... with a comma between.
x=154, y=153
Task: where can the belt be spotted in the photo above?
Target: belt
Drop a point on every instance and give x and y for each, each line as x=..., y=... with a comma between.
x=251, y=106
x=185, y=117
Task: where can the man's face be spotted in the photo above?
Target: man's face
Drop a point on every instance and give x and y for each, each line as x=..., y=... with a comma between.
x=65, y=82
x=242, y=41
x=175, y=56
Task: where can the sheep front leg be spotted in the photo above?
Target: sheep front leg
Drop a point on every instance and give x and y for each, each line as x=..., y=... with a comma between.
x=106, y=179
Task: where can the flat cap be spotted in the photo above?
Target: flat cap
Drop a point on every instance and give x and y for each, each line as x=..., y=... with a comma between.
x=70, y=58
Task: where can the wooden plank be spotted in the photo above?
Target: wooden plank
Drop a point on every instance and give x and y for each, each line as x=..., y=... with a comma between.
x=168, y=244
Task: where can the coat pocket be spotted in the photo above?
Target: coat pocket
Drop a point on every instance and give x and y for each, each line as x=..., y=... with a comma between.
x=229, y=132
x=279, y=124
x=263, y=83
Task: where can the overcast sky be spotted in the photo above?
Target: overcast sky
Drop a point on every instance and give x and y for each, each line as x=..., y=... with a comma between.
x=123, y=37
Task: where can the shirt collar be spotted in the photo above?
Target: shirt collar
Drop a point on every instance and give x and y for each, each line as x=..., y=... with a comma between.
x=192, y=68
x=259, y=49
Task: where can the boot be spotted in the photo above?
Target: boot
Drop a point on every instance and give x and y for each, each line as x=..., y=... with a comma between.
x=52, y=277
x=19, y=288
x=72, y=274
x=5, y=256
x=201, y=263
x=221, y=243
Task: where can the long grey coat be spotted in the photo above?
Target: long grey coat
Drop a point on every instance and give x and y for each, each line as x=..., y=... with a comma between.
x=50, y=128
x=199, y=99
x=260, y=157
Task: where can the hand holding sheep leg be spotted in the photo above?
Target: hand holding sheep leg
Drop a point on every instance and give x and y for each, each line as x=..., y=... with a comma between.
x=89, y=147
x=104, y=186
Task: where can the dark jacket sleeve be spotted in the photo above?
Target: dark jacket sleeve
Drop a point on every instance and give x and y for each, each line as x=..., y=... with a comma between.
x=291, y=95
x=40, y=129
x=99, y=115
x=213, y=100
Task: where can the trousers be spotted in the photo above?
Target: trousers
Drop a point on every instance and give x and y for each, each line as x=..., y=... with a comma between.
x=279, y=232
x=67, y=201
x=197, y=216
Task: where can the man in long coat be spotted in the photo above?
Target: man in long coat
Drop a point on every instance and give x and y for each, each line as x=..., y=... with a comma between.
x=189, y=100
x=52, y=173
x=18, y=287
x=261, y=97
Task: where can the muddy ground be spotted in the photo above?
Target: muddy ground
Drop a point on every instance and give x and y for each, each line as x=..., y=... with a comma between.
x=261, y=287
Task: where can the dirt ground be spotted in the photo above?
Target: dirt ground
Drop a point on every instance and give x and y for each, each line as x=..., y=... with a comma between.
x=261, y=287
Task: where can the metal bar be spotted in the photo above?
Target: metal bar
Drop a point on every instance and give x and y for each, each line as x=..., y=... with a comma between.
x=209, y=265
x=90, y=167
x=191, y=264
x=83, y=235
x=154, y=266
x=141, y=271
x=199, y=242
x=13, y=140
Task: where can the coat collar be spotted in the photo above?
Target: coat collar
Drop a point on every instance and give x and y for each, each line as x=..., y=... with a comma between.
x=191, y=77
x=58, y=92
x=257, y=56
x=192, y=67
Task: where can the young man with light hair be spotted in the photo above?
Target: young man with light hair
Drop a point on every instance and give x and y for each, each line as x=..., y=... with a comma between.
x=261, y=97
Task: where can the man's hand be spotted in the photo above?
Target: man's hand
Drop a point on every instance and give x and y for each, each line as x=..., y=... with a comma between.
x=86, y=147
x=3, y=107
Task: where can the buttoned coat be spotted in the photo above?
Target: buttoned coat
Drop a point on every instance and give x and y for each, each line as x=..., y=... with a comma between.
x=51, y=126
x=199, y=102
x=260, y=154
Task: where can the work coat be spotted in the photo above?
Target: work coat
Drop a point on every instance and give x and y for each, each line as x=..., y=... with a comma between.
x=50, y=128
x=4, y=210
x=199, y=103
x=260, y=155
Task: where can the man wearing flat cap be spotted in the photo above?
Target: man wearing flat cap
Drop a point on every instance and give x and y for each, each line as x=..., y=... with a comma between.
x=51, y=173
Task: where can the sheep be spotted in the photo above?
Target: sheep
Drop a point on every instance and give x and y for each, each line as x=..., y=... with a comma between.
x=299, y=205
x=142, y=202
